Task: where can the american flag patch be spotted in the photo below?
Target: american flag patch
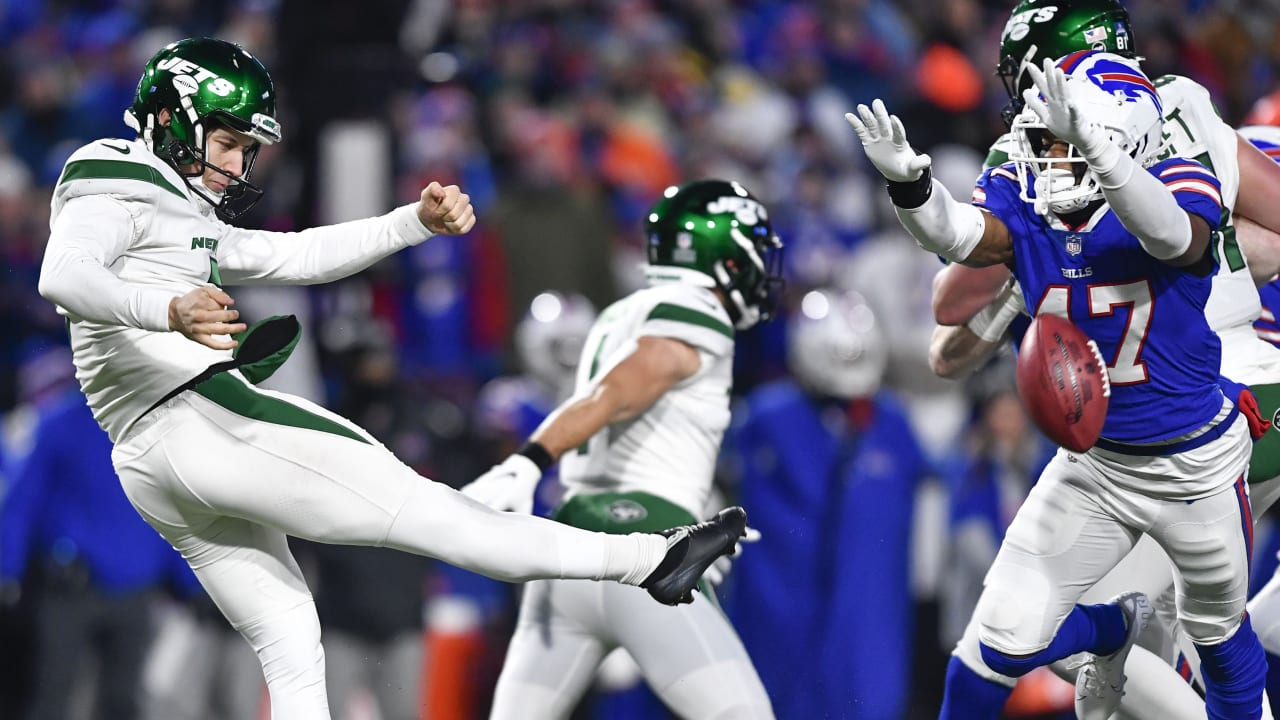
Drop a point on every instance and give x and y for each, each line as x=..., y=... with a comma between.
x=1093, y=35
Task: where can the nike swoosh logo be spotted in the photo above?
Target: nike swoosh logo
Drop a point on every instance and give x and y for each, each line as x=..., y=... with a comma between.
x=123, y=151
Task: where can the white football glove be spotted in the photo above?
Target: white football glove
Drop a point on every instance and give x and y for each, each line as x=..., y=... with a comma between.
x=717, y=571
x=885, y=142
x=1058, y=113
x=507, y=486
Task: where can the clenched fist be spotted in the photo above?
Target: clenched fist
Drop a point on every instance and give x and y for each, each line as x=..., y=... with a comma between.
x=446, y=210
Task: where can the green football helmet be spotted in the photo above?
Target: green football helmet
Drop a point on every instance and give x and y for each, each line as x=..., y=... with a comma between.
x=1040, y=29
x=205, y=83
x=713, y=233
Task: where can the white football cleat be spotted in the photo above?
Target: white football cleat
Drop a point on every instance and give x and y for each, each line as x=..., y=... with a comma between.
x=1100, y=684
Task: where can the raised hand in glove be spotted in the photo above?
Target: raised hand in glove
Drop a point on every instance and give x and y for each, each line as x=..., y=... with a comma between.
x=719, y=570
x=507, y=486
x=1051, y=101
x=885, y=142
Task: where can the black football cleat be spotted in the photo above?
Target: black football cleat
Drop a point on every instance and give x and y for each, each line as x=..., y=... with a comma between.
x=691, y=551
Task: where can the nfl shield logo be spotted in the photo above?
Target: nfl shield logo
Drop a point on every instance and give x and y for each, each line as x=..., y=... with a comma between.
x=1074, y=246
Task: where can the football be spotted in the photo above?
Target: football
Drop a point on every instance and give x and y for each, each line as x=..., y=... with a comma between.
x=1063, y=382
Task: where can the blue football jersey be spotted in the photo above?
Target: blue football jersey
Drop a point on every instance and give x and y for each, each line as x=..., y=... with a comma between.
x=1146, y=316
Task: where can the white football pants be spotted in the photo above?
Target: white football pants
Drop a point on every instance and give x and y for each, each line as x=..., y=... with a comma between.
x=690, y=654
x=226, y=490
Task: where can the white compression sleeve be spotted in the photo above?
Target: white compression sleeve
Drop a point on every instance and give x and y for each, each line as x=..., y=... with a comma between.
x=1144, y=205
x=943, y=226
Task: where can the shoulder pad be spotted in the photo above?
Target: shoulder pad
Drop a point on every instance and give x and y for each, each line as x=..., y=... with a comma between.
x=1177, y=91
x=117, y=167
x=696, y=299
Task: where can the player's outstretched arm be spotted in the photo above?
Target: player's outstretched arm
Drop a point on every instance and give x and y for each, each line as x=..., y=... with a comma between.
x=1140, y=200
x=959, y=291
x=956, y=351
x=1261, y=247
x=446, y=210
x=634, y=384
x=332, y=252
x=1259, y=188
x=957, y=231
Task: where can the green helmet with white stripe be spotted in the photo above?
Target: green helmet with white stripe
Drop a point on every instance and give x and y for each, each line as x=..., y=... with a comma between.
x=205, y=83
x=715, y=234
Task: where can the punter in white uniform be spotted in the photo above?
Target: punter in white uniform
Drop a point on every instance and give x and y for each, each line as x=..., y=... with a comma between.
x=224, y=471
x=637, y=445
x=1192, y=129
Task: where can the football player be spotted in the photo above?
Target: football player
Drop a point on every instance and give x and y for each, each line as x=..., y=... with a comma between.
x=829, y=441
x=138, y=248
x=1097, y=222
x=969, y=331
x=637, y=445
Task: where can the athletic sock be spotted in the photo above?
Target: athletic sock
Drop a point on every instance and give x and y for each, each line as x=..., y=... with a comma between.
x=1235, y=675
x=629, y=559
x=1273, y=683
x=1099, y=629
x=969, y=696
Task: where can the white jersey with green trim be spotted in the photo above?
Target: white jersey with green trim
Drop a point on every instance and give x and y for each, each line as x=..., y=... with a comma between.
x=670, y=450
x=127, y=235
x=1192, y=129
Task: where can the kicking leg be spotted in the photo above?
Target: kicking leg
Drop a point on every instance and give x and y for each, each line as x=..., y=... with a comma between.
x=336, y=488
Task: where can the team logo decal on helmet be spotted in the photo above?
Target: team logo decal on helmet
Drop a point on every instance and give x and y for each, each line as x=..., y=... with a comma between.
x=1036, y=30
x=715, y=234
x=204, y=83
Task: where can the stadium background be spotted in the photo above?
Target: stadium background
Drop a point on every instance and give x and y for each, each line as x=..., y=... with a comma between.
x=563, y=119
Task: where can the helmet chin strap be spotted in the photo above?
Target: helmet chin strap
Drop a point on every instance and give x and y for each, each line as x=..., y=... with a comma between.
x=1054, y=181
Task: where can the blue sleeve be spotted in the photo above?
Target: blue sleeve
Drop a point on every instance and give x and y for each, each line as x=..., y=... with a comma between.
x=999, y=193
x=1194, y=186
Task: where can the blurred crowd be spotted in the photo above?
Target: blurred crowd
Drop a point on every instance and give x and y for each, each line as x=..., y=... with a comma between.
x=564, y=120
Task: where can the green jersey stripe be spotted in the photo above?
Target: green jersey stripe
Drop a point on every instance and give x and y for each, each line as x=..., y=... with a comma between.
x=242, y=400
x=680, y=313
x=117, y=170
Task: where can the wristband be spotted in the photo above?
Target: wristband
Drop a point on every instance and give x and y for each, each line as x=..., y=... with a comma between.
x=538, y=454
x=991, y=321
x=913, y=193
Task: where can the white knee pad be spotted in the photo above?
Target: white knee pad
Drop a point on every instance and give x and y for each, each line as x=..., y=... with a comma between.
x=968, y=652
x=1013, y=609
x=1210, y=623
